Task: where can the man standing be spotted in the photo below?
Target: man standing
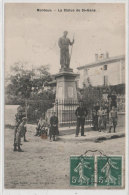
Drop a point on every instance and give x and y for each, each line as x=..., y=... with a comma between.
x=20, y=133
x=114, y=99
x=80, y=113
x=64, y=43
x=54, y=126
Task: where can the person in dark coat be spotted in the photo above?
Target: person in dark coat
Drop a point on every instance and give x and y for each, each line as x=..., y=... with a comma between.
x=114, y=99
x=53, y=126
x=80, y=113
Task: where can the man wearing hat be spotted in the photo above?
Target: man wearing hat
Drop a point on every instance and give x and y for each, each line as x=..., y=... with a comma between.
x=80, y=113
x=20, y=133
x=64, y=43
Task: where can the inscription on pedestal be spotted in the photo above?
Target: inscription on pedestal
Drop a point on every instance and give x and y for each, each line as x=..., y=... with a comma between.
x=70, y=92
x=60, y=91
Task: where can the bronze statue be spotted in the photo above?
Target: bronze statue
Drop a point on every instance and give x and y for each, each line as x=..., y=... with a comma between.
x=64, y=43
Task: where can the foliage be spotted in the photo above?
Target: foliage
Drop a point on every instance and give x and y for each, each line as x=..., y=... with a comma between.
x=27, y=84
x=92, y=94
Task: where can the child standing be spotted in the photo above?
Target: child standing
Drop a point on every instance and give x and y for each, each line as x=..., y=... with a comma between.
x=53, y=126
x=104, y=118
x=100, y=118
x=112, y=119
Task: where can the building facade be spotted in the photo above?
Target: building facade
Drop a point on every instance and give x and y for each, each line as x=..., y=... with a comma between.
x=105, y=71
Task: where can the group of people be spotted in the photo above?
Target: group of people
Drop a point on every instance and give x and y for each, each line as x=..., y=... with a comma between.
x=48, y=127
x=43, y=127
x=105, y=112
x=102, y=116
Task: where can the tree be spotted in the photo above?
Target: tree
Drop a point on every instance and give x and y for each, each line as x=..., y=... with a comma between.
x=25, y=84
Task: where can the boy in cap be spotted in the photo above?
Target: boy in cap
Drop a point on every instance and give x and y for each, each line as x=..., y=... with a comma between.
x=19, y=115
x=20, y=133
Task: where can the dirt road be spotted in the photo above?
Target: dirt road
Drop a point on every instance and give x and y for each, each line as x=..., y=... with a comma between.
x=45, y=164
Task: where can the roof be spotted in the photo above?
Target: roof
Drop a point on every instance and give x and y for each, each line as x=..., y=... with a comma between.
x=102, y=62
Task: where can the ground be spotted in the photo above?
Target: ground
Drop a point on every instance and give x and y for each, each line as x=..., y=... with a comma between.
x=45, y=164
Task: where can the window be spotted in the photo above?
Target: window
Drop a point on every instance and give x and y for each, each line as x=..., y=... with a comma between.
x=105, y=67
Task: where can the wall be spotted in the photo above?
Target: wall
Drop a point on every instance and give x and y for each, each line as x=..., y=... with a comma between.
x=115, y=74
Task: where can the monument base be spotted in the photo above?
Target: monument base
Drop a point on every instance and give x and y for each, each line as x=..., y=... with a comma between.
x=66, y=88
x=66, y=96
x=66, y=70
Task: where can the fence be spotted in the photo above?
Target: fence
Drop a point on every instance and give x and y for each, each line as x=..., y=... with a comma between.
x=36, y=108
x=65, y=110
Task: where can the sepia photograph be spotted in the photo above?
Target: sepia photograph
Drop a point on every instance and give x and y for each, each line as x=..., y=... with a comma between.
x=65, y=96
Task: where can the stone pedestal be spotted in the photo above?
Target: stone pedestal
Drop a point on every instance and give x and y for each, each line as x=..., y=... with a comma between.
x=66, y=97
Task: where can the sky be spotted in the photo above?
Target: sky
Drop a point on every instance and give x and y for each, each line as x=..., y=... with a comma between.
x=32, y=36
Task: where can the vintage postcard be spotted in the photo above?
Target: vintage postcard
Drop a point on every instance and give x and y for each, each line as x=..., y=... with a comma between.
x=65, y=81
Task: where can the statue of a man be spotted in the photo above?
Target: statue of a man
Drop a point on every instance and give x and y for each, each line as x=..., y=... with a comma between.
x=64, y=43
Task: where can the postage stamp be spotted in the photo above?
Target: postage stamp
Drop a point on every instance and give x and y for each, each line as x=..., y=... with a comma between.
x=82, y=170
x=109, y=171
x=96, y=171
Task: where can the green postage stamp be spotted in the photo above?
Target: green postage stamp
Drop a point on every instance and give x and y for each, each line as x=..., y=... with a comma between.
x=96, y=171
x=109, y=171
x=82, y=170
